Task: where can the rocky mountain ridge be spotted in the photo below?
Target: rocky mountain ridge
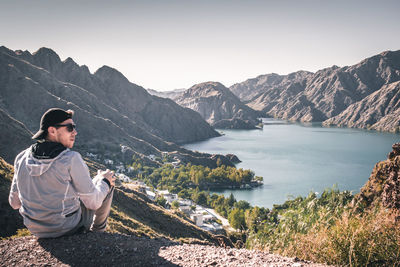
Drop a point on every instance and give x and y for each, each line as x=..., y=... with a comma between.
x=340, y=96
x=109, y=110
x=166, y=94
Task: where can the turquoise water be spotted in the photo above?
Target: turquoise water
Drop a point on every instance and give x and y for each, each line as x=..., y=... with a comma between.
x=295, y=159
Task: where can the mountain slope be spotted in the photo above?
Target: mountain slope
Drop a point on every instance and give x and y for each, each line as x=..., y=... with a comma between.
x=214, y=102
x=109, y=110
x=305, y=96
x=131, y=213
x=378, y=111
x=115, y=91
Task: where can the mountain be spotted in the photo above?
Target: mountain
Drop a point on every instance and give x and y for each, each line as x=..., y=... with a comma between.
x=216, y=103
x=109, y=110
x=250, y=88
x=379, y=111
x=305, y=96
x=166, y=94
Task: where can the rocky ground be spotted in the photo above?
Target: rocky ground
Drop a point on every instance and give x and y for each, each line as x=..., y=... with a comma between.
x=99, y=249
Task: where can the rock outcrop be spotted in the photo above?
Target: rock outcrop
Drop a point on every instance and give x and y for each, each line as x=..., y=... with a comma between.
x=383, y=186
x=355, y=96
x=214, y=102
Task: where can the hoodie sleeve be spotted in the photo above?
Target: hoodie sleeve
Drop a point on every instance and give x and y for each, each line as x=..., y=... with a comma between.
x=13, y=198
x=91, y=194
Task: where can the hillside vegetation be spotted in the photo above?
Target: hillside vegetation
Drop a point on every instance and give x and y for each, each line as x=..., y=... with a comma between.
x=338, y=228
x=131, y=213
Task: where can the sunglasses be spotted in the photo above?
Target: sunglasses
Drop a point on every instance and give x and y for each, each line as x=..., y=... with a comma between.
x=70, y=127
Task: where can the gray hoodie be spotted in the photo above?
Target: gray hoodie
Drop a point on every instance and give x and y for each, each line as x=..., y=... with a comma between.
x=48, y=192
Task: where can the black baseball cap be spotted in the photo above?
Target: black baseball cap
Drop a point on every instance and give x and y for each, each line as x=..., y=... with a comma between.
x=52, y=117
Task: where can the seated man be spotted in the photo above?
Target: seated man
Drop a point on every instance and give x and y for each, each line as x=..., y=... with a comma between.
x=52, y=187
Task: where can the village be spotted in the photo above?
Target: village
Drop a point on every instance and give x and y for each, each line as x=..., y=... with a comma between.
x=205, y=218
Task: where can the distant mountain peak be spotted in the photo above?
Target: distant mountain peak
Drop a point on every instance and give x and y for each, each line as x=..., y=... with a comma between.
x=107, y=72
x=215, y=102
x=46, y=52
x=389, y=53
x=69, y=60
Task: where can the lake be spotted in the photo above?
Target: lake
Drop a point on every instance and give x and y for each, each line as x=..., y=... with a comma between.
x=295, y=158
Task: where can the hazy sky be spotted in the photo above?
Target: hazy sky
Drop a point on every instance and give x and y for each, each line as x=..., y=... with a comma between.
x=166, y=45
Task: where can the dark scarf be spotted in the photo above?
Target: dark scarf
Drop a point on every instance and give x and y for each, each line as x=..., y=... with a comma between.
x=47, y=150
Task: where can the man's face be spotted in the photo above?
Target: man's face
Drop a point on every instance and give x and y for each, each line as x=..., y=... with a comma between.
x=65, y=137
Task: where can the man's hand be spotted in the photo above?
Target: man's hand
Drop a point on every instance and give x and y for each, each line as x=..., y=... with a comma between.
x=109, y=175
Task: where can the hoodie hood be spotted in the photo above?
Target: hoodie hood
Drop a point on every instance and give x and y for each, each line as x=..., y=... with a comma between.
x=47, y=150
x=42, y=155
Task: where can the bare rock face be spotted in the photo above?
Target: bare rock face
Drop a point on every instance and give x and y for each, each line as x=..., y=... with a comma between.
x=358, y=95
x=214, y=102
x=383, y=186
x=109, y=110
x=251, y=88
x=391, y=190
x=379, y=111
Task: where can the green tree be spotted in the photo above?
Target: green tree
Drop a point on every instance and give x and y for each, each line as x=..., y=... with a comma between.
x=242, y=204
x=161, y=201
x=252, y=217
x=230, y=201
x=175, y=204
x=200, y=198
x=236, y=219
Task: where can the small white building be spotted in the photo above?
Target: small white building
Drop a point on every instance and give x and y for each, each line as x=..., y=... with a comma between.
x=185, y=209
x=122, y=177
x=197, y=219
x=130, y=169
x=152, y=157
x=170, y=197
x=208, y=217
x=109, y=161
x=151, y=195
x=162, y=192
x=120, y=168
x=139, y=183
x=185, y=202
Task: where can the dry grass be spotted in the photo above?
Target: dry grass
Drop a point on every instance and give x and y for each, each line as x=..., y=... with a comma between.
x=370, y=239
